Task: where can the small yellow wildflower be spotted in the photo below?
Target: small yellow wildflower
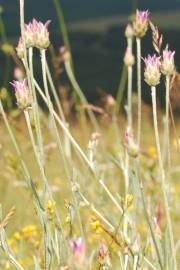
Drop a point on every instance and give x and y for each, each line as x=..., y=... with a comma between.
x=17, y=236
x=130, y=199
x=7, y=265
x=10, y=241
x=49, y=206
x=96, y=226
x=29, y=231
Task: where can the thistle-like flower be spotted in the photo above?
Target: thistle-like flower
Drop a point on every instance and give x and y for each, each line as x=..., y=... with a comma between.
x=129, y=58
x=141, y=23
x=20, y=49
x=129, y=31
x=167, y=63
x=21, y=93
x=79, y=250
x=152, y=70
x=103, y=255
x=131, y=146
x=41, y=34
x=29, y=35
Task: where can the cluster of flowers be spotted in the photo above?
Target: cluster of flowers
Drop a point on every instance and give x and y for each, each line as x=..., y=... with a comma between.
x=36, y=34
x=154, y=65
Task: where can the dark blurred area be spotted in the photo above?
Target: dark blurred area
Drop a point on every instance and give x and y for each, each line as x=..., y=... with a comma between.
x=96, y=31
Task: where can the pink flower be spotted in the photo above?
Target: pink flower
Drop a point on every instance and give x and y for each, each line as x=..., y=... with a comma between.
x=29, y=35
x=41, y=34
x=20, y=49
x=152, y=70
x=141, y=23
x=21, y=93
x=129, y=58
x=79, y=250
x=167, y=63
x=103, y=255
x=130, y=144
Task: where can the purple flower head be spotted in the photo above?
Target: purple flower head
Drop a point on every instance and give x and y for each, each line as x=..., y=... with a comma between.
x=41, y=34
x=21, y=93
x=152, y=70
x=141, y=23
x=29, y=35
x=167, y=64
x=79, y=249
x=142, y=16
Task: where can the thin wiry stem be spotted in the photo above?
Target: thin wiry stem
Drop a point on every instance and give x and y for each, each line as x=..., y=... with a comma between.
x=167, y=144
x=129, y=109
x=162, y=173
x=138, y=42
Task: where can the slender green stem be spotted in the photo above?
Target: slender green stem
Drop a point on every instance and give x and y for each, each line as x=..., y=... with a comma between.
x=35, y=108
x=167, y=144
x=153, y=93
x=121, y=88
x=80, y=93
x=129, y=109
x=138, y=42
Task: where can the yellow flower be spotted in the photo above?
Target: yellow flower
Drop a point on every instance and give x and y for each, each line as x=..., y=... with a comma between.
x=130, y=199
x=96, y=226
x=17, y=236
x=10, y=241
x=49, y=207
x=29, y=231
x=7, y=265
x=152, y=152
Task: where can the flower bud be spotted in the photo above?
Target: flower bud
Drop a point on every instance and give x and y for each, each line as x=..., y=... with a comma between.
x=18, y=74
x=152, y=70
x=20, y=49
x=167, y=64
x=21, y=93
x=131, y=146
x=41, y=34
x=64, y=53
x=129, y=58
x=129, y=31
x=103, y=255
x=141, y=23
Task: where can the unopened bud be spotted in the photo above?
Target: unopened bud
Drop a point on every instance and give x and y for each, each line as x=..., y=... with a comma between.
x=129, y=31
x=129, y=58
x=21, y=93
x=20, y=49
x=131, y=146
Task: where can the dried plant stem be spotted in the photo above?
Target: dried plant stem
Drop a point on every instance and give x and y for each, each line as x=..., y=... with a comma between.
x=80, y=93
x=129, y=109
x=138, y=42
x=162, y=173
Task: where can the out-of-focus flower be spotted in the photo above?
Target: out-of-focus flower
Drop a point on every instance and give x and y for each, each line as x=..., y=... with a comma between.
x=18, y=74
x=96, y=226
x=79, y=250
x=167, y=63
x=129, y=58
x=29, y=231
x=131, y=146
x=17, y=236
x=103, y=255
x=176, y=143
x=152, y=70
x=41, y=34
x=141, y=23
x=129, y=31
x=152, y=153
x=136, y=244
x=64, y=53
x=20, y=49
x=29, y=35
x=21, y=93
